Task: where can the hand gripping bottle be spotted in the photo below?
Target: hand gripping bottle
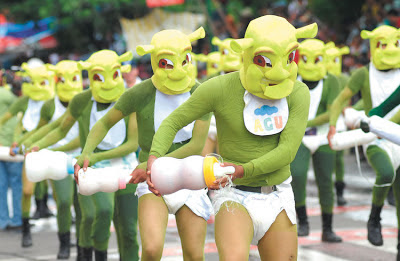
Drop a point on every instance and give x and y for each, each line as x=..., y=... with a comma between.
x=5, y=155
x=195, y=172
x=47, y=164
x=109, y=179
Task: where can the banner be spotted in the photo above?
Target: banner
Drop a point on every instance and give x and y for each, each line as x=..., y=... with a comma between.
x=158, y=3
x=140, y=31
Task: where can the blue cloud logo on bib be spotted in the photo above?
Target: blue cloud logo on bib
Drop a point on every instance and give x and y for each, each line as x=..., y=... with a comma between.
x=264, y=117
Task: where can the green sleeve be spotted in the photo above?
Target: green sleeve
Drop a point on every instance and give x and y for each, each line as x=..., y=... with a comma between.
x=359, y=105
x=201, y=102
x=73, y=144
x=289, y=139
x=389, y=104
x=135, y=98
x=20, y=105
x=332, y=86
x=357, y=79
x=47, y=110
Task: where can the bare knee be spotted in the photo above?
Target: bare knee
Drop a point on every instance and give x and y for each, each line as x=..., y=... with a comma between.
x=151, y=252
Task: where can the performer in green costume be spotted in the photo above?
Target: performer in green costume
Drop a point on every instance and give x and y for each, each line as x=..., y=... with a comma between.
x=39, y=89
x=261, y=114
x=117, y=148
x=152, y=100
x=323, y=90
x=333, y=64
x=69, y=83
x=377, y=81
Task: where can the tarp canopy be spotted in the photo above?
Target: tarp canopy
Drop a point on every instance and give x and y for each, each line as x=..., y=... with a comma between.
x=140, y=31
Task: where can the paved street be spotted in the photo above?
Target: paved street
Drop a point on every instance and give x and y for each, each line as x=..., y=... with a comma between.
x=349, y=222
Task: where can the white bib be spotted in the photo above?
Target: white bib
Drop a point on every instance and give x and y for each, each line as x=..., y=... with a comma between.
x=164, y=105
x=315, y=98
x=382, y=85
x=264, y=117
x=115, y=136
x=59, y=110
x=32, y=115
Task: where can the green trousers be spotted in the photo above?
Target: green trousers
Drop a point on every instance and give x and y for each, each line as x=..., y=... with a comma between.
x=324, y=163
x=99, y=209
x=63, y=192
x=339, y=166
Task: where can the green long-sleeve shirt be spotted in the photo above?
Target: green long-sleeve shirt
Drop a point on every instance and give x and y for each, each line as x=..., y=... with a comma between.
x=7, y=98
x=329, y=93
x=265, y=159
x=141, y=99
x=359, y=81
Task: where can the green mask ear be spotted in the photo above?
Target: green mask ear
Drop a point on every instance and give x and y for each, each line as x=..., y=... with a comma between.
x=344, y=50
x=144, y=49
x=84, y=65
x=329, y=45
x=216, y=41
x=196, y=35
x=24, y=66
x=240, y=45
x=126, y=68
x=125, y=57
x=51, y=67
x=366, y=34
x=201, y=57
x=308, y=31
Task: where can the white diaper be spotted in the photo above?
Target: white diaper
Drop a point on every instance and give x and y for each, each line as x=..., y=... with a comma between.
x=262, y=208
x=196, y=200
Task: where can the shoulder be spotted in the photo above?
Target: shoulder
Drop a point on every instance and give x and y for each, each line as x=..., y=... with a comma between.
x=79, y=102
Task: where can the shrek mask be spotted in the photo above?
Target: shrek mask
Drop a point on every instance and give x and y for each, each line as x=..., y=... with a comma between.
x=229, y=60
x=212, y=60
x=171, y=60
x=105, y=74
x=333, y=58
x=385, y=46
x=40, y=82
x=269, y=46
x=311, y=60
x=69, y=79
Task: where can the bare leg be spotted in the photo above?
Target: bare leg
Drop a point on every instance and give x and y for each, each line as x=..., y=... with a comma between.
x=153, y=220
x=209, y=147
x=233, y=232
x=192, y=231
x=280, y=241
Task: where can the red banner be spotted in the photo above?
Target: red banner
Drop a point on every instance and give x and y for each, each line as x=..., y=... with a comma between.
x=157, y=3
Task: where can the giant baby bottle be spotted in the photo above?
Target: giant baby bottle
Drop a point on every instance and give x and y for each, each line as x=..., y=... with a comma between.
x=352, y=138
x=109, y=179
x=195, y=172
x=5, y=155
x=47, y=164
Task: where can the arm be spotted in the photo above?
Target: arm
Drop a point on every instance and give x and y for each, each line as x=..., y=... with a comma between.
x=127, y=147
x=42, y=132
x=388, y=105
x=97, y=134
x=319, y=120
x=58, y=133
x=73, y=144
x=289, y=140
x=359, y=106
x=22, y=138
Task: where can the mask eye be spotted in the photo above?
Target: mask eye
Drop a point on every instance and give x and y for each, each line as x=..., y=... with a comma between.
x=225, y=52
x=337, y=60
x=76, y=78
x=318, y=59
x=214, y=65
x=98, y=77
x=397, y=44
x=61, y=79
x=187, y=60
x=381, y=45
x=117, y=74
x=166, y=64
x=44, y=82
x=304, y=58
x=291, y=57
x=262, y=61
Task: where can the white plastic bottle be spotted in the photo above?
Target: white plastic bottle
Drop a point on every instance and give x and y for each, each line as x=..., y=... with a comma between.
x=352, y=118
x=47, y=164
x=384, y=128
x=195, y=172
x=109, y=179
x=5, y=155
x=348, y=139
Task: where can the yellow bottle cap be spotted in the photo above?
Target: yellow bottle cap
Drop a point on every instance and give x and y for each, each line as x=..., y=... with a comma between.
x=208, y=169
